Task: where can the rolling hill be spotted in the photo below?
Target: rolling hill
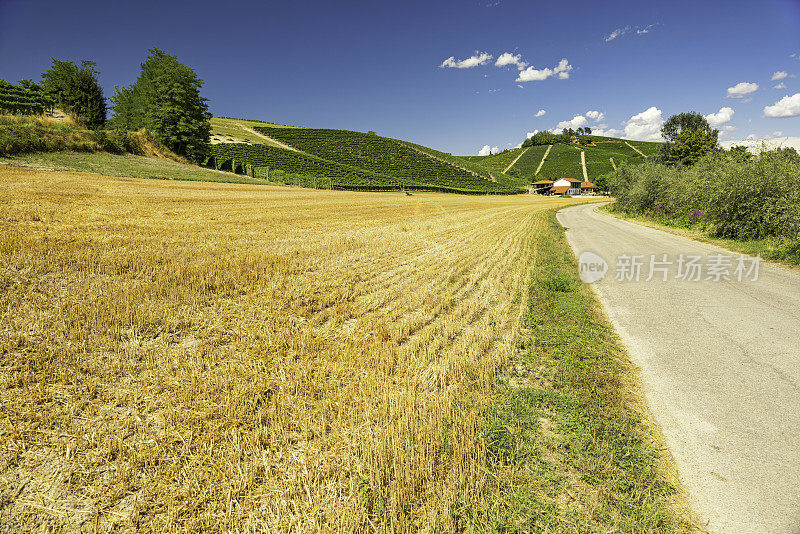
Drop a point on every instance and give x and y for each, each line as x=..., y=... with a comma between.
x=344, y=159
x=564, y=161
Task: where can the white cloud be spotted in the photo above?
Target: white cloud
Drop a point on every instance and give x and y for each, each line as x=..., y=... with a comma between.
x=779, y=75
x=577, y=121
x=741, y=89
x=507, y=58
x=531, y=134
x=619, y=32
x=645, y=126
x=756, y=144
x=611, y=132
x=726, y=129
x=540, y=113
x=480, y=58
x=562, y=69
x=723, y=116
x=487, y=150
x=779, y=86
x=532, y=74
x=595, y=115
x=788, y=106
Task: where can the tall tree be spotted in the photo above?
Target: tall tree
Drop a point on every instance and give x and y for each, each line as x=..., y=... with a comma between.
x=75, y=89
x=689, y=137
x=691, y=145
x=166, y=100
x=685, y=122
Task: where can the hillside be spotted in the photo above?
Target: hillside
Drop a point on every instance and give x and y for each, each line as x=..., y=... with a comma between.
x=565, y=160
x=344, y=159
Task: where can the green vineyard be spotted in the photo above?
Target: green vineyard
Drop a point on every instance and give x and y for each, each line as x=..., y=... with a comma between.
x=26, y=99
x=411, y=165
x=495, y=162
x=527, y=164
x=264, y=161
x=563, y=161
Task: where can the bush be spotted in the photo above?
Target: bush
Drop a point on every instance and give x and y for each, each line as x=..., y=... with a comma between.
x=739, y=198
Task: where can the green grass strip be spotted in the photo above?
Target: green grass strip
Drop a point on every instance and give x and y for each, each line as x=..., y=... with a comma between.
x=568, y=450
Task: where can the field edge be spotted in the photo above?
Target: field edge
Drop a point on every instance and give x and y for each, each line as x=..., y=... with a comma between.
x=573, y=398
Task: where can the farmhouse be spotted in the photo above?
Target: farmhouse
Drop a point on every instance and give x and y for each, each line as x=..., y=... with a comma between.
x=542, y=186
x=566, y=186
x=563, y=186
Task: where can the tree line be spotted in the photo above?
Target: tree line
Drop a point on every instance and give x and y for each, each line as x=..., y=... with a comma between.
x=165, y=100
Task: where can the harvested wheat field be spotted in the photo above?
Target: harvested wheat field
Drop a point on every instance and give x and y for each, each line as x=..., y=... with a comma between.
x=184, y=356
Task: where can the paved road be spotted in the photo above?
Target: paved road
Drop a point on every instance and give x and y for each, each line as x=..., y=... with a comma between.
x=720, y=364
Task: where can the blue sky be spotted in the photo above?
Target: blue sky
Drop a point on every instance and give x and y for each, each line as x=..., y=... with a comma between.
x=377, y=65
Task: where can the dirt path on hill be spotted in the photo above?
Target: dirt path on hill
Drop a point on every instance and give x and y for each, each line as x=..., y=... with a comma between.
x=544, y=157
x=636, y=149
x=516, y=159
x=268, y=138
x=583, y=164
x=432, y=156
x=614, y=165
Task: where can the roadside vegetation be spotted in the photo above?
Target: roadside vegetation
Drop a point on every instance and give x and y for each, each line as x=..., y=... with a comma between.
x=752, y=200
x=569, y=444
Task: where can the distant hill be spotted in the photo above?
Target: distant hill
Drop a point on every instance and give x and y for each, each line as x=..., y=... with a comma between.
x=564, y=160
x=346, y=159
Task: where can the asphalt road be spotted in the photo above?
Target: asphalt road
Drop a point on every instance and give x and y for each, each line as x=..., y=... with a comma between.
x=720, y=365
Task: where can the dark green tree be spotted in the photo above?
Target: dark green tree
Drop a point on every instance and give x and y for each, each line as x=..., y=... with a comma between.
x=682, y=122
x=691, y=145
x=689, y=137
x=75, y=89
x=166, y=101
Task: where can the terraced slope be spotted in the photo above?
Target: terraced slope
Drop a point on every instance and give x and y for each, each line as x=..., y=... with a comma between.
x=648, y=148
x=598, y=157
x=564, y=161
x=480, y=170
x=257, y=160
x=495, y=162
x=407, y=164
x=527, y=164
x=261, y=161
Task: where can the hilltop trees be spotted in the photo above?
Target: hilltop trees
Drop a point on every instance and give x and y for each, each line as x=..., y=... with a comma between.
x=75, y=89
x=166, y=100
x=689, y=137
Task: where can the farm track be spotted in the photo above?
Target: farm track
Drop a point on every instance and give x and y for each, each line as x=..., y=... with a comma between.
x=434, y=157
x=266, y=352
x=636, y=149
x=268, y=138
x=516, y=160
x=583, y=166
x=544, y=157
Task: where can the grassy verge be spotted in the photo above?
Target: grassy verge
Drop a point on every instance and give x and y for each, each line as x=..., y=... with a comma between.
x=569, y=443
x=778, y=249
x=124, y=165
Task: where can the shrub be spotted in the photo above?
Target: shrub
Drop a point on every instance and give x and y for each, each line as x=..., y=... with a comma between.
x=741, y=198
